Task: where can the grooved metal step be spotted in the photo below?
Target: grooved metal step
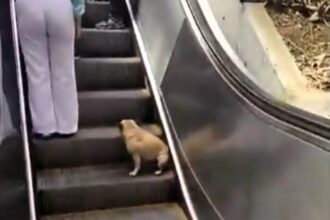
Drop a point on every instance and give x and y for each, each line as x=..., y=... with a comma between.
x=90, y=146
x=105, y=43
x=100, y=187
x=170, y=211
x=109, y=73
x=109, y=107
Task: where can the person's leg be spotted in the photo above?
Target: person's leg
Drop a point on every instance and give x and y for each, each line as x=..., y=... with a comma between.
x=33, y=38
x=60, y=25
x=116, y=17
x=118, y=9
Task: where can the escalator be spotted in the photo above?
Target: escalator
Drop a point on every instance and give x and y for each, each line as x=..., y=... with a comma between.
x=243, y=154
x=86, y=176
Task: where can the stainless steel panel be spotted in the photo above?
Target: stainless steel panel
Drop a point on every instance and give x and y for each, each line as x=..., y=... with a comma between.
x=249, y=165
x=9, y=108
x=159, y=22
x=13, y=189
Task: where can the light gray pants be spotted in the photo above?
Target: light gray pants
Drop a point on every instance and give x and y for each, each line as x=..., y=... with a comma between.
x=46, y=32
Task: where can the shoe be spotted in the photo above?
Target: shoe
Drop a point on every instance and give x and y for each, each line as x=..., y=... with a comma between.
x=40, y=136
x=111, y=23
x=60, y=135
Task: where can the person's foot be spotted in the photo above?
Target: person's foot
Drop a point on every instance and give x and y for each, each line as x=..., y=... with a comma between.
x=61, y=135
x=111, y=23
x=40, y=136
x=116, y=22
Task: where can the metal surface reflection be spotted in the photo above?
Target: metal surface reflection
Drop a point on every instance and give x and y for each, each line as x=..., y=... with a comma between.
x=159, y=22
x=13, y=189
x=247, y=165
x=14, y=198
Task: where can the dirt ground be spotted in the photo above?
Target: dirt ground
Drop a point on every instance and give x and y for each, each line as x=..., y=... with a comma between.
x=308, y=41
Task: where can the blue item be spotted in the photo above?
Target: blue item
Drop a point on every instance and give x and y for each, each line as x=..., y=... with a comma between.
x=78, y=7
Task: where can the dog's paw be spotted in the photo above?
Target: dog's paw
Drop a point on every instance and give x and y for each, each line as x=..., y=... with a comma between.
x=133, y=174
x=158, y=172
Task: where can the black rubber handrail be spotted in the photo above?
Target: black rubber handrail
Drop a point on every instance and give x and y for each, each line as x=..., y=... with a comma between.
x=309, y=122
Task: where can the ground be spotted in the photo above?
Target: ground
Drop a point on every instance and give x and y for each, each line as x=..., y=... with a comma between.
x=308, y=41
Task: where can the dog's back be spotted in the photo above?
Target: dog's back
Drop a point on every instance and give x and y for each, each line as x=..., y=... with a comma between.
x=142, y=142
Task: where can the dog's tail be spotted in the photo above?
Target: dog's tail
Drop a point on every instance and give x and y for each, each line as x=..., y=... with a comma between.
x=163, y=158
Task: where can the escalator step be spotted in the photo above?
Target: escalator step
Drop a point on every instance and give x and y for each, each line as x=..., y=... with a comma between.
x=109, y=73
x=169, y=211
x=86, y=176
x=90, y=146
x=101, y=187
x=105, y=43
x=109, y=107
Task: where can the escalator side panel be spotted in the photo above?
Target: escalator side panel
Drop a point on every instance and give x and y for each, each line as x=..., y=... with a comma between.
x=9, y=106
x=248, y=168
x=159, y=22
x=13, y=189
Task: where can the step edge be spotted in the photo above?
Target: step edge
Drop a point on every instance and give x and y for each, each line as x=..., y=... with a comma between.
x=114, y=31
x=98, y=3
x=133, y=59
x=114, y=130
x=100, y=211
x=126, y=93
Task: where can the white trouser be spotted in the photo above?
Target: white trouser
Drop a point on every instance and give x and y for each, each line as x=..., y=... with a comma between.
x=46, y=31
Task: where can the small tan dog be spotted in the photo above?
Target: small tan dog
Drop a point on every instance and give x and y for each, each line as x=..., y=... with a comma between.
x=143, y=145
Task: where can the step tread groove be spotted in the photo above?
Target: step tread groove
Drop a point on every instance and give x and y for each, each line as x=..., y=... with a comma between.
x=91, y=176
x=165, y=211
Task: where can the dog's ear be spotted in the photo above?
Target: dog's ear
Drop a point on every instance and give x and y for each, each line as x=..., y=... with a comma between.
x=120, y=126
x=138, y=122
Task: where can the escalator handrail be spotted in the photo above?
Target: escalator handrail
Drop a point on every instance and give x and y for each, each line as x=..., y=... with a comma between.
x=232, y=71
x=23, y=121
